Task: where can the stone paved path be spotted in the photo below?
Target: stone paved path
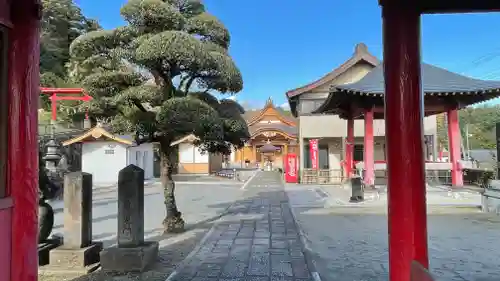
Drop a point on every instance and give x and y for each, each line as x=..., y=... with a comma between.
x=258, y=241
x=350, y=243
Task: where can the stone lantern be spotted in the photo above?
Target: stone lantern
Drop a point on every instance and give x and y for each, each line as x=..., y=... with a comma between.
x=52, y=156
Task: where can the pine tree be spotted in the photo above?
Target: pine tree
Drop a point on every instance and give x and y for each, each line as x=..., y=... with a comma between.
x=141, y=76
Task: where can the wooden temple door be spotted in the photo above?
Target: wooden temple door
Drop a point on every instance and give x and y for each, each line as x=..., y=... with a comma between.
x=19, y=90
x=5, y=201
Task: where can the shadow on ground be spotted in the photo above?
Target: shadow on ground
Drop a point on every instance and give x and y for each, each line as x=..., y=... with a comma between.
x=347, y=243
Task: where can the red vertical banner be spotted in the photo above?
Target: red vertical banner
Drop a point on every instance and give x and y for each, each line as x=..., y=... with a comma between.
x=291, y=170
x=314, y=153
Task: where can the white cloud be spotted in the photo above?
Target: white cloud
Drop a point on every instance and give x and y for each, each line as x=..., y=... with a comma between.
x=232, y=98
x=285, y=105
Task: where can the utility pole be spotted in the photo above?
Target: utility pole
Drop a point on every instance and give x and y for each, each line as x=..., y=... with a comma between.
x=468, y=141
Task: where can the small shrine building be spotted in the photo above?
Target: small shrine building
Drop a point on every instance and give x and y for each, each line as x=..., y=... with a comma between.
x=273, y=134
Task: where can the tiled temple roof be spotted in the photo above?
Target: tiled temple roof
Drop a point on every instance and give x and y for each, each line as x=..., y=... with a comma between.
x=440, y=86
x=435, y=80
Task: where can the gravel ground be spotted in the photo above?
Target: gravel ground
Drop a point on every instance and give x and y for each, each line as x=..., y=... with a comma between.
x=173, y=250
x=201, y=206
x=350, y=242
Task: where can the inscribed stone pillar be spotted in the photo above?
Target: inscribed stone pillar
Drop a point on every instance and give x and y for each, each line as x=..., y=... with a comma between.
x=131, y=207
x=132, y=254
x=77, y=210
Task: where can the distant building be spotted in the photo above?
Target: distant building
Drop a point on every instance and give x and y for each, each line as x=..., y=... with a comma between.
x=194, y=161
x=104, y=154
x=330, y=129
x=270, y=128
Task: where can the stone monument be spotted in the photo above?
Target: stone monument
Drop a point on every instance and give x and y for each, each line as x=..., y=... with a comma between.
x=46, y=191
x=132, y=254
x=77, y=253
x=357, y=192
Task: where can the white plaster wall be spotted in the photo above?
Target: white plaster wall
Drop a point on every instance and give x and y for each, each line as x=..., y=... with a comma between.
x=200, y=157
x=189, y=153
x=324, y=126
x=103, y=167
x=186, y=154
x=142, y=156
x=335, y=154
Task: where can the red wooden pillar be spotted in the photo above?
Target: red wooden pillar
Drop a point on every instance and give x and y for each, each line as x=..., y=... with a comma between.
x=454, y=145
x=349, y=148
x=404, y=140
x=368, y=157
x=22, y=166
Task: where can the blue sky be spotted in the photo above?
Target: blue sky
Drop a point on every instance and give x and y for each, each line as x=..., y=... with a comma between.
x=282, y=44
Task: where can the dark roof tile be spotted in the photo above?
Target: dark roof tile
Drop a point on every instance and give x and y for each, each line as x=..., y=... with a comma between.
x=434, y=80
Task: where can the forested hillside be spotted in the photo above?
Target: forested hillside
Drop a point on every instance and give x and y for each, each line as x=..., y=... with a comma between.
x=480, y=123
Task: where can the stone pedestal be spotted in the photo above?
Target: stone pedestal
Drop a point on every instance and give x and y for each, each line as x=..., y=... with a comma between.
x=44, y=249
x=132, y=254
x=77, y=253
x=490, y=198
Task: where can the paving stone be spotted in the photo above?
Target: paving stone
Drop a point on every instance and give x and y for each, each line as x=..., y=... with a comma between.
x=243, y=241
x=279, y=251
x=260, y=249
x=257, y=241
x=259, y=265
x=256, y=278
x=280, y=268
x=260, y=241
x=281, y=278
x=278, y=244
x=221, y=249
x=300, y=269
x=234, y=269
x=209, y=270
x=204, y=279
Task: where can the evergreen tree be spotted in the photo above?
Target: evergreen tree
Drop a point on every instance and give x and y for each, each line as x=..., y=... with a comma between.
x=62, y=22
x=141, y=76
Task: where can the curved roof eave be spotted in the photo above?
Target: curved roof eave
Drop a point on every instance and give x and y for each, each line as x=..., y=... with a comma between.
x=436, y=81
x=267, y=129
x=360, y=54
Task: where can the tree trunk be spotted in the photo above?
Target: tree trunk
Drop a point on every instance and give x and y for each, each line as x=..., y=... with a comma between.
x=173, y=222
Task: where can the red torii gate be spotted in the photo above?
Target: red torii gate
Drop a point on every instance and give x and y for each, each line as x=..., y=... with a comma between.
x=18, y=131
x=69, y=95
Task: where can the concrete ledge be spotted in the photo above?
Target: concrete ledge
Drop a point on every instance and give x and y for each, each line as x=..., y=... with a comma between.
x=490, y=201
x=123, y=260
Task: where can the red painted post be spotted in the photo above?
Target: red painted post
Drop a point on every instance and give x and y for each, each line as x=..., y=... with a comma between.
x=454, y=145
x=53, y=105
x=349, y=148
x=404, y=139
x=22, y=165
x=368, y=157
